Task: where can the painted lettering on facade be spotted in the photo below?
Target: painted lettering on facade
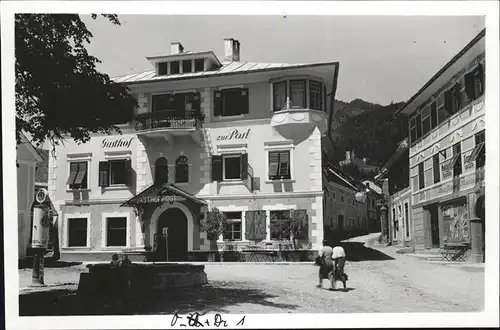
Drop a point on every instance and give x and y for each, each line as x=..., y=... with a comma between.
x=234, y=134
x=116, y=143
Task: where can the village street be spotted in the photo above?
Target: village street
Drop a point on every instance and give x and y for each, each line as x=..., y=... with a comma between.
x=402, y=284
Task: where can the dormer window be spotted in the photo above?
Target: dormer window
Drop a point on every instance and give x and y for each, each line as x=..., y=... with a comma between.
x=299, y=93
x=174, y=67
x=162, y=68
x=199, y=65
x=186, y=66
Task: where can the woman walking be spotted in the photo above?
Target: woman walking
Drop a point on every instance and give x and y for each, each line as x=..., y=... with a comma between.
x=338, y=256
x=325, y=262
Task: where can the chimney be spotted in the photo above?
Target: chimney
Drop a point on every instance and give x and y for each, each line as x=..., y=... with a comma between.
x=176, y=48
x=231, y=50
x=347, y=155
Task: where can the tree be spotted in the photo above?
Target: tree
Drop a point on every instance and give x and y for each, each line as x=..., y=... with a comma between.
x=59, y=92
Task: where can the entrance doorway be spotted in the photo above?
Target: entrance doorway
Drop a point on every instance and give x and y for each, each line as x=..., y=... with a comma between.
x=434, y=220
x=175, y=220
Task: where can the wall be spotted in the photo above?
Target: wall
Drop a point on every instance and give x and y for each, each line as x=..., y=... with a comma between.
x=397, y=201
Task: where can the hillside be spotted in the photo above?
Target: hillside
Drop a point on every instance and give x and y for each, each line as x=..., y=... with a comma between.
x=369, y=129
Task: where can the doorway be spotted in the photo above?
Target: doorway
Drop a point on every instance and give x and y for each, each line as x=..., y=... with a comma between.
x=175, y=220
x=434, y=221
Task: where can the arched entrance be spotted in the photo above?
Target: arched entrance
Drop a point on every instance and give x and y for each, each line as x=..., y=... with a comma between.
x=176, y=221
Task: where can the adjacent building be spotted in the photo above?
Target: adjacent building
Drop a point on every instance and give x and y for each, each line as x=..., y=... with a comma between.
x=447, y=152
x=239, y=136
x=27, y=158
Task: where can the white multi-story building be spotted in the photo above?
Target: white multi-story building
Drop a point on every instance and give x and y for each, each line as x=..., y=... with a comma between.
x=243, y=137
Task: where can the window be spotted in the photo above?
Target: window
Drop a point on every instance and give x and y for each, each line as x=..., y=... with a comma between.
x=179, y=104
x=231, y=102
x=452, y=101
x=162, y=68
x=407, y=221
x=457, y=152
x=77, y=232
x=181, y=170
x=186, y=66
x=114, y=172
x=116, y=231
x=280, y=96
x=229, y=167
x=413, y=129
x=298, y=93
x=199, y=65
x=78, y=175
x=174, y=67
x=161, y=170
x=279, y=218
x=333, y=195
x=443, y=114
x=434, y=115
x=233, y=226
x=474, y=83
x=279, y=165
x=426, y=121
x=435, y=167
x=162, y=102
x=342, y=198
x=315, y=95
x=418, y=118
x=421, y=181
x=478, y=153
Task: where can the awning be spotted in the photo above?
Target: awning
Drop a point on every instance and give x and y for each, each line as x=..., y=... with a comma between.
x=161, y=193
x=448, y=165
x=477, y=149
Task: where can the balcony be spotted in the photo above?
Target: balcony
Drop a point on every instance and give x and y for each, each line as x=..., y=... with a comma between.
x=305, y=119
x=168, y=125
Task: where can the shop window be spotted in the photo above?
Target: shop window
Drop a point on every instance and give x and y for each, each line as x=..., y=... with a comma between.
x=181, y=170
x=174, y=67
x=199, y=65
x=457, y=154
x=435, y=168
x=231, y=102
x=161, y=170
x=279, y=221
x=298, y=93
x=77, y=232
x=279, y=165
x=233, y=226
x=315, y=95
x=162, y=68
x=78, y=175
x=421, y=178
x=280, y=95
x=186, y=66
x=426, y=121
x=116, y=231
x=114, y=172
x=478, y=153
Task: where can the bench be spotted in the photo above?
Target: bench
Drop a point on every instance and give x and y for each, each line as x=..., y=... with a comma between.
x=454, y=252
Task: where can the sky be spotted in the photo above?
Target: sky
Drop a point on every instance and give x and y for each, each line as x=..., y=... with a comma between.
x=382, y=58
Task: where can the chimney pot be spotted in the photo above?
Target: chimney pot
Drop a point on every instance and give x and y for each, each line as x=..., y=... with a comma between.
x=231, y=50
x=176, y=48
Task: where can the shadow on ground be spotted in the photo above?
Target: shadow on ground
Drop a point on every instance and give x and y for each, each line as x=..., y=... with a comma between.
x=214, y=297
x=357, y=251
x=49, y=262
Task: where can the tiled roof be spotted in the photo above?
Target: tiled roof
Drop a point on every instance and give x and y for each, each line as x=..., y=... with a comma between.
x=42, y=168
x=226, y=69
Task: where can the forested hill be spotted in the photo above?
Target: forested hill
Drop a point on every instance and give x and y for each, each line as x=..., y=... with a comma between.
x=371, y=130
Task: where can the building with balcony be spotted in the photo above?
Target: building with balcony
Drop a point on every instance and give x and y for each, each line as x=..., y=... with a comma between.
x=447, y=151
x=239, y=136
x=398, y=202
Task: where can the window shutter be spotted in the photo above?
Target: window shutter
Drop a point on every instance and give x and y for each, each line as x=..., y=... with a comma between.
x=273, y=164
x=82, y=170
x=216, y=168
x=244, y=166
x=250, y=225
x=129, y=172
x=245, y=106
x=103, y=174
x=217, y=103
x=73, y=170
x=260, y=225
x=469, y=85
x=284, y=164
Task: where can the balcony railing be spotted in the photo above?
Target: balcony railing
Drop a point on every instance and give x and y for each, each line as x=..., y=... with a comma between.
x=168, y=119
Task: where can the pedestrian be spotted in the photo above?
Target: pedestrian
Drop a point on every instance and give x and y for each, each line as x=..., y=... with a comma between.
x=325, y=261
x=115, y=262
x=338, y=256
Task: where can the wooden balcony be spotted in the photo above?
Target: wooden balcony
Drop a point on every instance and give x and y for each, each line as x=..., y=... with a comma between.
x=169, y=124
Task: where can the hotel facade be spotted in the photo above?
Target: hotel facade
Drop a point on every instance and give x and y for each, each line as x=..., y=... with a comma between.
x=447, y=154
x=238, y=136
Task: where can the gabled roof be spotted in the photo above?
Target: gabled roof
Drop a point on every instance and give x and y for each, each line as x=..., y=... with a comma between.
x=335, y=174
x=30, y=147
x=227, y=68
x=403, y=146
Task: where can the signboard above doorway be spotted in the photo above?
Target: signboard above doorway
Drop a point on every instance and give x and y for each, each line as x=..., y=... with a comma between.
x=234, y=134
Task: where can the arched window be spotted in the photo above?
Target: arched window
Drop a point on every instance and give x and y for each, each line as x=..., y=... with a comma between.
x=181, y=169
x=161, y=170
